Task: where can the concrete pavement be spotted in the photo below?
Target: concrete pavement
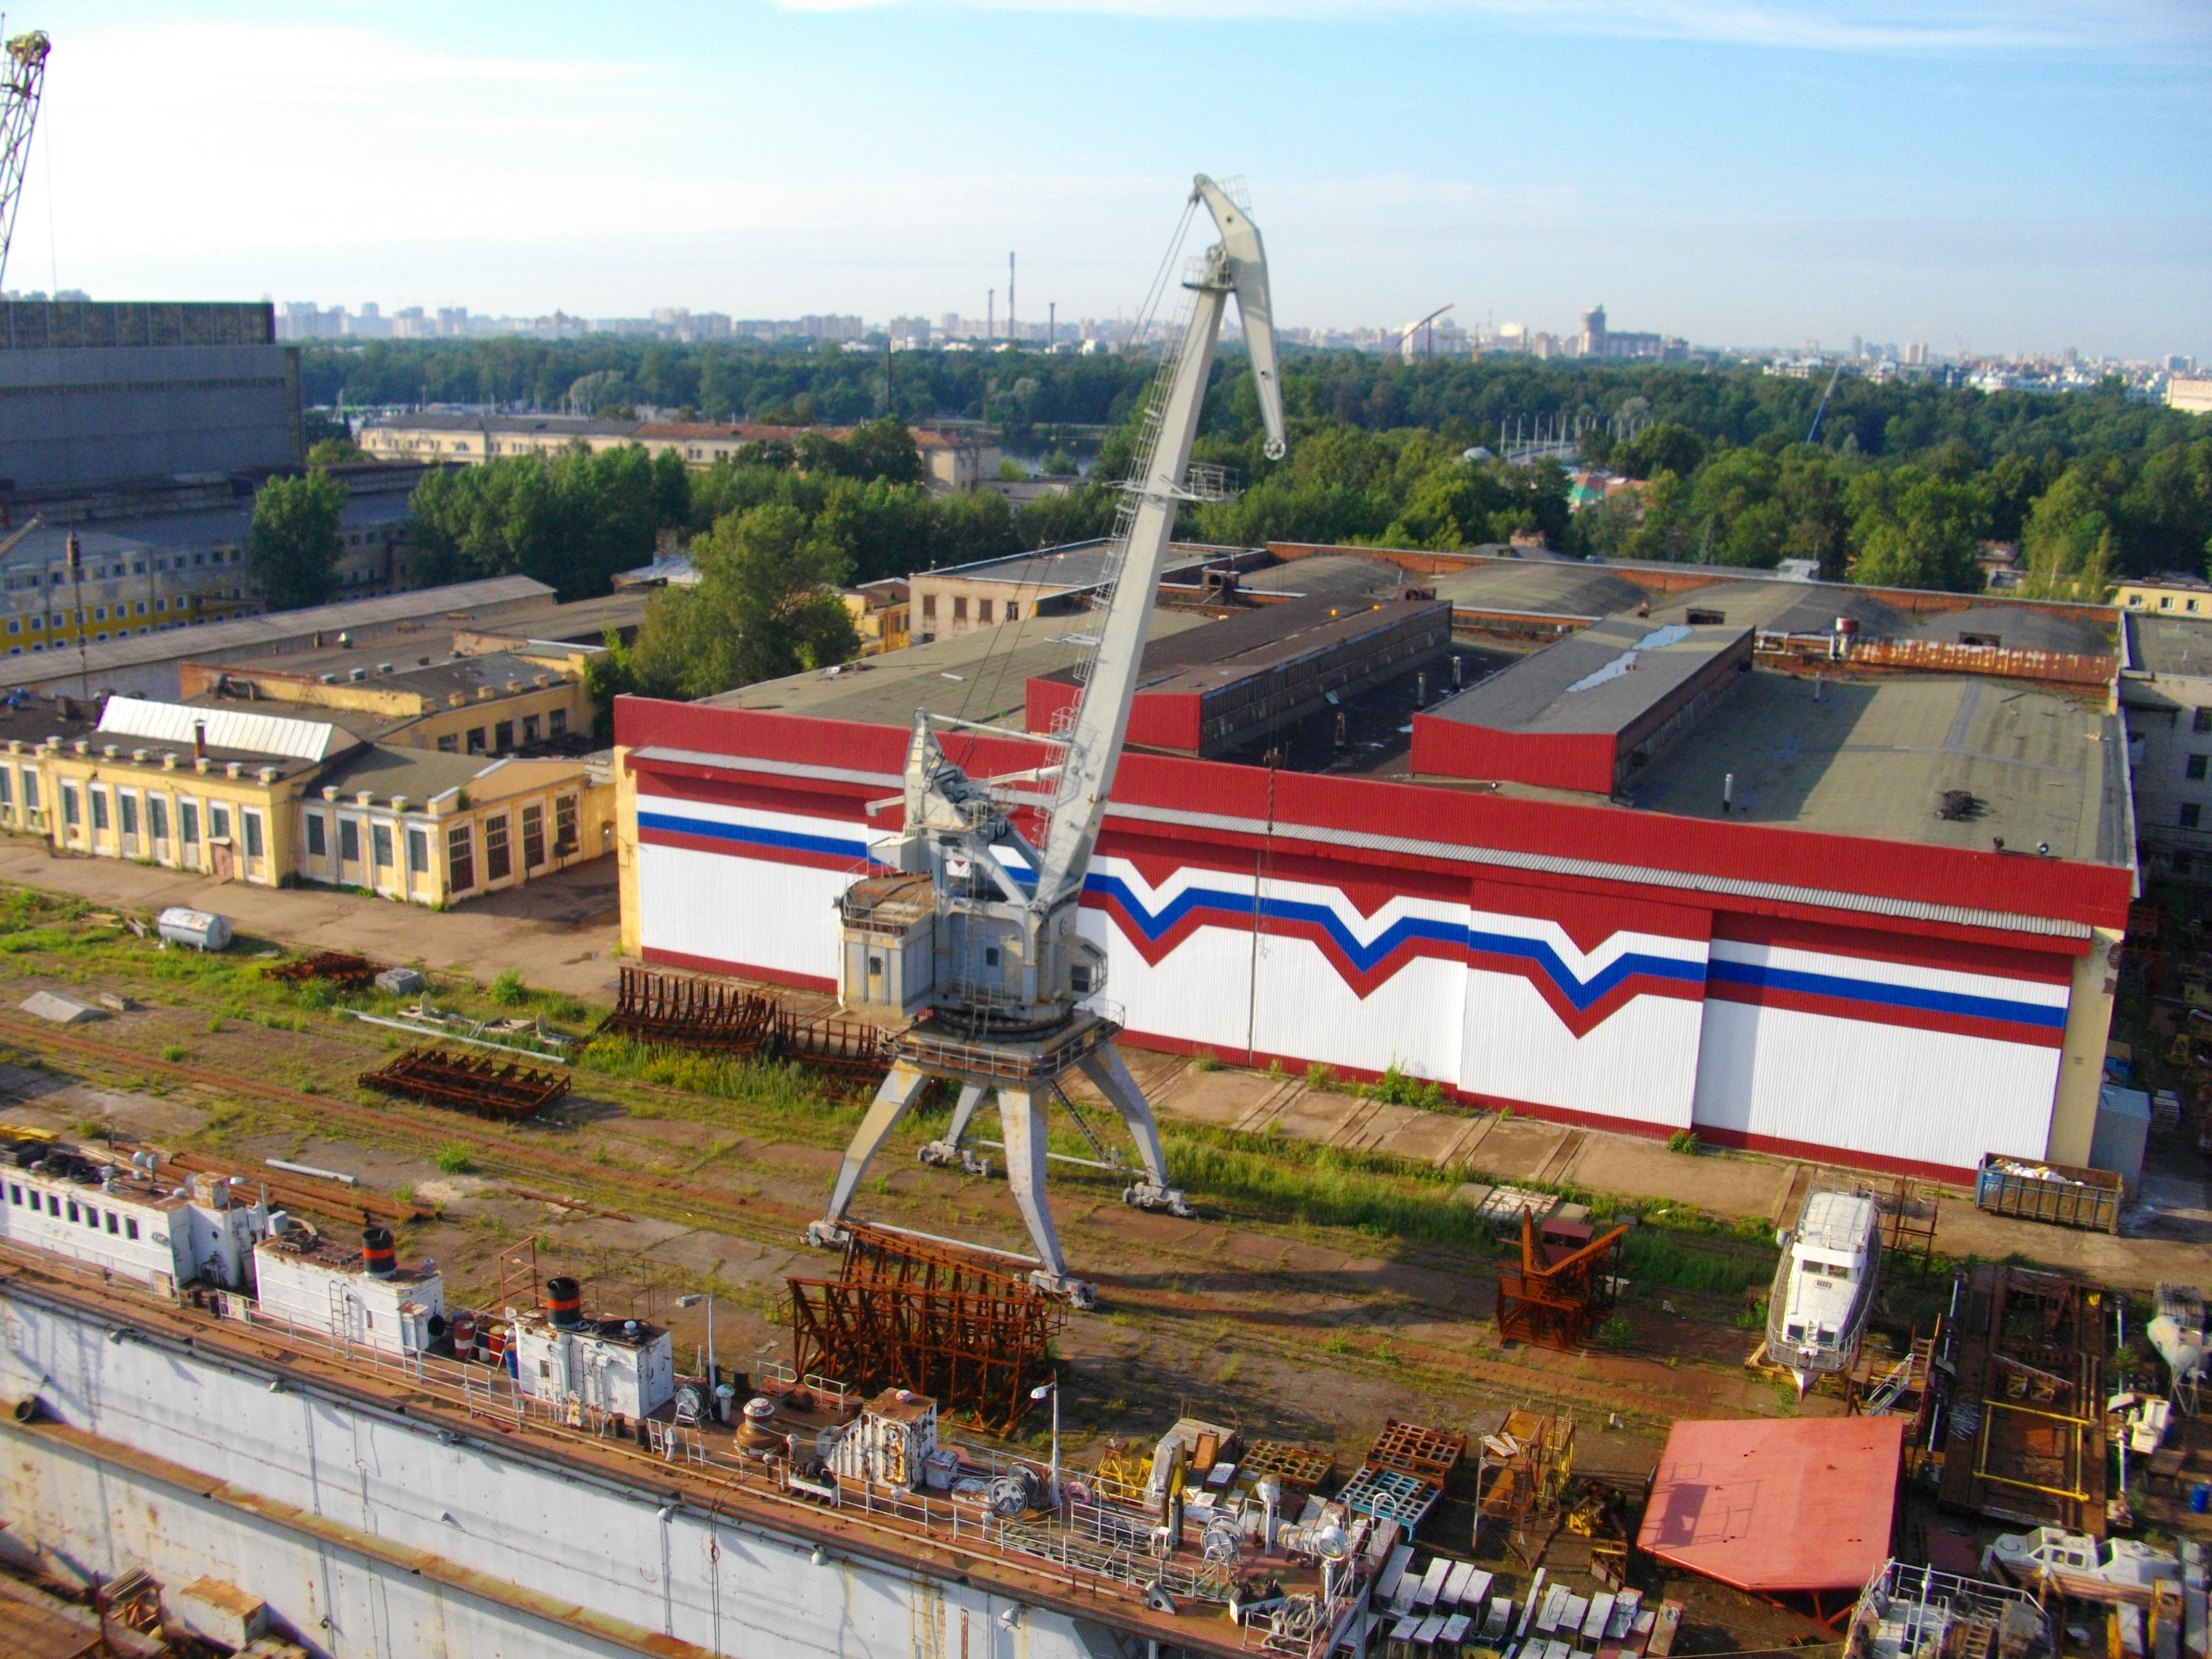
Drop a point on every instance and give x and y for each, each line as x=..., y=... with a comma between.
x=559, y=932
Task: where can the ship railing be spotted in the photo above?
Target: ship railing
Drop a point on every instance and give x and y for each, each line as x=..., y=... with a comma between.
x=487, y=1391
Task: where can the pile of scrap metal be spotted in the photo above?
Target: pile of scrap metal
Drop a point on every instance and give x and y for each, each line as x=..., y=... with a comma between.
x=340, y=967
x=468, y=1083
x=1526, y=1464
x=1404, y=1474
x=2023, y=1427
x=1567, y=1281
x=963, y=1326
x=718, y=1016
x=1906, y=1612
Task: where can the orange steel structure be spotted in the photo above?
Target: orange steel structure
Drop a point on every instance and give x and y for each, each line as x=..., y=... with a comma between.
x=912, y=1313
x=1557, y=1295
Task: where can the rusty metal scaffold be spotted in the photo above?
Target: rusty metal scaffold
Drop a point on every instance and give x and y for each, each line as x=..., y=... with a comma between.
x=911, y=1313
x=1557, y=1295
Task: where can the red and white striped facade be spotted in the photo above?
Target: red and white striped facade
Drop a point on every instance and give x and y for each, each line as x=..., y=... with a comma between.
x=1885, y=1003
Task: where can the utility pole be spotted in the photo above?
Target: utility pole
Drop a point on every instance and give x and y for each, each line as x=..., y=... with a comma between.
x=1009, y=296
x=76, y=594
x=1051, y=323
x=990, y=315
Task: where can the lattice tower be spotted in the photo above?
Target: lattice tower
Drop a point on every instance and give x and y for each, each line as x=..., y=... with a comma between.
x=26, y=72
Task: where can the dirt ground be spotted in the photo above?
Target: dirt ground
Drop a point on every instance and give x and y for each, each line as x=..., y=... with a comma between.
x=1293, y=1331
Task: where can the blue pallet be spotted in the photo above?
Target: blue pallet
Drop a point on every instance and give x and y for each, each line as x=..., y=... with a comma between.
x=1390, y=1495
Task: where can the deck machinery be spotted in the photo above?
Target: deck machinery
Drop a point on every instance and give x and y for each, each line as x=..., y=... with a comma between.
x=969, y=933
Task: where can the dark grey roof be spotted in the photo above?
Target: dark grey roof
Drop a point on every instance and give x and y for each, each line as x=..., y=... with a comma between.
x=1540, y=693
x=1329, y=576
x=2017, y=627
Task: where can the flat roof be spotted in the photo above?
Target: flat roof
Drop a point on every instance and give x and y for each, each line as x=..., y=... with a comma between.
x=1602, y=679
x=2175, y=646
x=1541, y=586
x=1803, y=1503
x=47, y=545
x=421, y=774
x=1777, y=605
x=2018, y=629
x=1203, y=660
x=1339, y=575
x=981, y=675
x=1875, y=756
x=434, y=674
x=270, y=631
x=1077, y=565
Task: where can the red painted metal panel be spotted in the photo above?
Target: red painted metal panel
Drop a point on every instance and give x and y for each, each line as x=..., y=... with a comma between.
x=1552, y=760
x=1776, y=1507
x=2097, y=894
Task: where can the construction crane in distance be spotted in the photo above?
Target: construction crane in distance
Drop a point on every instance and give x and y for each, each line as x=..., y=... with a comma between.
x=972, y=935
x=26, y=72
x=1405, y=334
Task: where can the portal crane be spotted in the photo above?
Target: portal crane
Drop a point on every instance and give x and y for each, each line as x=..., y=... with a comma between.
x=972, y=936
x=25, y=82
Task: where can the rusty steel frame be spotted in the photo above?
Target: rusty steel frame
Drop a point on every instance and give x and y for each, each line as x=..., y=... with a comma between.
x=721, y=1017
x=341, y=967
x=1554, y=1304
x=463, y=1083
x=908, y=1313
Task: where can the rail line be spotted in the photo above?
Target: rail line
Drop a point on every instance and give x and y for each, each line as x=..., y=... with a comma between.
x=766, y=1220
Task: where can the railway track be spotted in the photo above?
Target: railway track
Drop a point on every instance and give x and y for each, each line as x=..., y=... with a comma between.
x=761, y=1220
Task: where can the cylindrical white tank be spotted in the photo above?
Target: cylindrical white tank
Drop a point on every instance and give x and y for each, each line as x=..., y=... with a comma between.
x=201, y=929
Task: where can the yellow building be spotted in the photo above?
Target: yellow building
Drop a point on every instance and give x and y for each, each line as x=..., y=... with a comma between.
x=435, y=828
x=2175, y=592
x=272, y=799
x=880, y=610
x=493, y=702
x=217, y=794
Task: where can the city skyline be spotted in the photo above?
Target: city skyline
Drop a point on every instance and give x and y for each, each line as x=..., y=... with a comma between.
x=1740, y=176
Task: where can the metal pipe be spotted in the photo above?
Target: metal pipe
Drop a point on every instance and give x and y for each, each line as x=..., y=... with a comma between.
x=455, y=1036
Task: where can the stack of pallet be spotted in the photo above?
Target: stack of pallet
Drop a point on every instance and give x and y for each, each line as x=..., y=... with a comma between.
x=1404, y=1474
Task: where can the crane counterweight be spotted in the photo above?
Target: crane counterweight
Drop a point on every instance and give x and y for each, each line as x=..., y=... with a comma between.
x=970, y=935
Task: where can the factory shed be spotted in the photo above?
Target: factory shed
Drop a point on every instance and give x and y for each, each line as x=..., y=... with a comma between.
x=1801, y=1507
x=1209, y=690
x=1583, y=714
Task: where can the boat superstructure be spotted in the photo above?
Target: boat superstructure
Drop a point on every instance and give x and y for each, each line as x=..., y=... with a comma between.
x=1824, y=1284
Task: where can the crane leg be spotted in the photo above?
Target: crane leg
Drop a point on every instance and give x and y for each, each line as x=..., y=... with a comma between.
x=899, y=1092
x=1022, y=1113
x=947, y=1152
x=1104, y=1068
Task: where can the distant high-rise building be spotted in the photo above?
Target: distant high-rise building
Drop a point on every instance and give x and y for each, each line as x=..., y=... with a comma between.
x=1593, y=340
x=1916, y=353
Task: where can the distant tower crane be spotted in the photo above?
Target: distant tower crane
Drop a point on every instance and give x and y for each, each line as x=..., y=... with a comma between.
x=19, y=113
x=972, y=934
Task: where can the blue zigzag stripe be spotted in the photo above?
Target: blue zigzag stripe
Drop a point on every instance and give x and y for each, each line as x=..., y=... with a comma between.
x=1583, y=993
x=2045, y=1016
x=1365, y=957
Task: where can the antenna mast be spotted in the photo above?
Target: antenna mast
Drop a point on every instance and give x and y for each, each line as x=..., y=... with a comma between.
x=26, y=72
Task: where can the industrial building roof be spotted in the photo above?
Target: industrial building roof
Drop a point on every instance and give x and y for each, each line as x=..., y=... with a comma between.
x=1876, y=758
x=1078, y=565
x=1777, y=607
x=275, y=631
x=422, y=775
x=1334, y=576
x=2170, y=646
x=983, y=675
x=1543, y=587
x=46, y=546
x=1774, y=1507
x=1202, y=660
x=1602, y=679
x=2017, y=627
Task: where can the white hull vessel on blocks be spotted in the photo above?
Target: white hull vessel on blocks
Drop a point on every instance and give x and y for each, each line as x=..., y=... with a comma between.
x=1824, y=1284
x=971, y=935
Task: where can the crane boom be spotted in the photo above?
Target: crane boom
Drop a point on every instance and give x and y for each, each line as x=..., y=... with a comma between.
x=25, y=83
x=993, y=971
x=1238, y=265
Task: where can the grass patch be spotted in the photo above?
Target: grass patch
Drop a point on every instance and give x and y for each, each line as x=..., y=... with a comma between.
x=777, y=1090
x=1319, y=1076
x=1617, y=1332
x=1657, y=1255
x=1395, y=1088
x=454, y=1159
x=1682, y=1140
x=175, y=1052
x=509, y=991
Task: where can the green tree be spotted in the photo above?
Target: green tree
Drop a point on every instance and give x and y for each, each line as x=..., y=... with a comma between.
x=294, y=541
x=766, y=605
x=1667, y=447
x=2068, y=545
x=1912, y=529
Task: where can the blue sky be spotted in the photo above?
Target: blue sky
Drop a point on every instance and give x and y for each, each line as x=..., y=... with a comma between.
x=2021, y=176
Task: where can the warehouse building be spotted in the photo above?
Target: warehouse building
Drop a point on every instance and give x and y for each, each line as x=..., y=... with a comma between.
x=1888, y=943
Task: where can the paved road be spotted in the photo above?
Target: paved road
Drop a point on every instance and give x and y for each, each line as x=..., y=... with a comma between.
x=561, y=932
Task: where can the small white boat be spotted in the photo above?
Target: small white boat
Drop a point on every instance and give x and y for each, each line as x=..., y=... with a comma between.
x=1824, y=1285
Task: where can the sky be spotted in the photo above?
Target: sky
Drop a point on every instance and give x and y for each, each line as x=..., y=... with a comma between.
x=1981, y=176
